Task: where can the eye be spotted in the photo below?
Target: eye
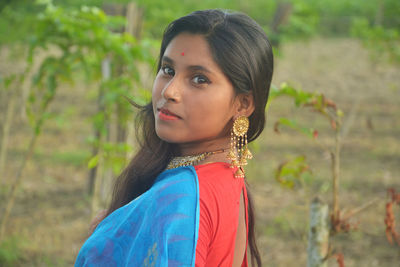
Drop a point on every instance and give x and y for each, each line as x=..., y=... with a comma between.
x=168, y=70
x=200, y=79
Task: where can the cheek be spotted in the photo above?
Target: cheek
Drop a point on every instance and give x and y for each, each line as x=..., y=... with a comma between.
x=156, y=91
x=209, y=112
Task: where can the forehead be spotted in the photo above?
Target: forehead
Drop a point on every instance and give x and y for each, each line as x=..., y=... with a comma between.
x=191, y=49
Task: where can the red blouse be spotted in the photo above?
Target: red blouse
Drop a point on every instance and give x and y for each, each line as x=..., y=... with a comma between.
x=219, y=214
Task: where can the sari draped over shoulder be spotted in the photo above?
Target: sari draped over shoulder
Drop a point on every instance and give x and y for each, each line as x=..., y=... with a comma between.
x=158, y=228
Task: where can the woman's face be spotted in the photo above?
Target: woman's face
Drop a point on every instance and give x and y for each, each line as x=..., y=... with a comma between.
x=193, y=101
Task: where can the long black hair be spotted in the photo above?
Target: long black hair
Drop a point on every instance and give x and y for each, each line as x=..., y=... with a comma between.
x=241, y=49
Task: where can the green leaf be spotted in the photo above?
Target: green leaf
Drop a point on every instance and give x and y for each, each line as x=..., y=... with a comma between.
x=93, y=161
x=293, y=171
x=295, y=126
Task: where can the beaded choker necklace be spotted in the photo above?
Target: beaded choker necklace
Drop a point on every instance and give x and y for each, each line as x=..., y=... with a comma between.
x=191, y=160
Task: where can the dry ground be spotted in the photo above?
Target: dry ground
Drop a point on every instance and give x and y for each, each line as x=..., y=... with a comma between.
x=51, y=216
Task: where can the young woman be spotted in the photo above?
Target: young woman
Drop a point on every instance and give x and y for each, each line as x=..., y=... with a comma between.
x=182, y=201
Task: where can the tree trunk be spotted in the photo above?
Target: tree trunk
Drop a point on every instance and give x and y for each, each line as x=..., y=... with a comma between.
x=96, y=181
x=134, y=22
x=112, y=135
x=96, y=200
x=379, y=15
x=318, y=236
x=134, y=19
x=281, y=16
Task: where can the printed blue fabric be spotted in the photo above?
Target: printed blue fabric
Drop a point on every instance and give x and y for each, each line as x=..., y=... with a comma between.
x=158, y=228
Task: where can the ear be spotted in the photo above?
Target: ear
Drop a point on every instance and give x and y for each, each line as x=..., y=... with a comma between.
x=244, y=105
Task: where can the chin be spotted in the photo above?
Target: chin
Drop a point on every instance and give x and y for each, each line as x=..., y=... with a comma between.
x=168, y=136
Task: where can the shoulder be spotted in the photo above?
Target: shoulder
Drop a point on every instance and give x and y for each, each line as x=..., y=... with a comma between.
x=219, y=189
x=218, y=178
x=217, y=172
x=179, y=180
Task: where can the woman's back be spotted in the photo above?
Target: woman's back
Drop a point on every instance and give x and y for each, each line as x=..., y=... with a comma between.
x=221, y=234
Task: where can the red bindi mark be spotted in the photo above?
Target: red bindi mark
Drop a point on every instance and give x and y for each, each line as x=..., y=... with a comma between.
x=183, y=53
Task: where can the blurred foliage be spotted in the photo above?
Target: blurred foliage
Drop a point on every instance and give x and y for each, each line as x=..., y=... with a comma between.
x=307, y=17
x=75, y=44
x=375, y=22
x=80, y=41
x=294, y=171
x=383, y=43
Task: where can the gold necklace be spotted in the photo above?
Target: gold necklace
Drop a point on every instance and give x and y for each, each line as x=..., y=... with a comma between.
x=190, y=160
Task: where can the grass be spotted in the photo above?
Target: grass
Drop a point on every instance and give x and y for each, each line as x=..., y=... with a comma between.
x=52, y=210
x=11, y=250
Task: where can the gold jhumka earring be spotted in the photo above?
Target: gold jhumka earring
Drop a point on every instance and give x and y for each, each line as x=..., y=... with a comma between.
x=239, y=152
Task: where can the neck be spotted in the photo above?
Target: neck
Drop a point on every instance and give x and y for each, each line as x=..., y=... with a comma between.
x=196, y=148
x=199, y=147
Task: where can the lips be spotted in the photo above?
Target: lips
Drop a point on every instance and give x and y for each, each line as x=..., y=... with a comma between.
x=165, y=114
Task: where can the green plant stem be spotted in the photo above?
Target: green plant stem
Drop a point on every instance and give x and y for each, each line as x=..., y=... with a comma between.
x=335, y=156
x=6, y=131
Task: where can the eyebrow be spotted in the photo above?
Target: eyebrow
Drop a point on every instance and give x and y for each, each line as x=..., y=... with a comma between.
x=191, y=67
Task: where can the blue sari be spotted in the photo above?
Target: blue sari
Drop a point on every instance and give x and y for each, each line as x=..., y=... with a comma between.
x=158, y=228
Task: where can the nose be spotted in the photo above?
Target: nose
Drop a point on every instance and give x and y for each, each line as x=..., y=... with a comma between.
x=171, y=91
